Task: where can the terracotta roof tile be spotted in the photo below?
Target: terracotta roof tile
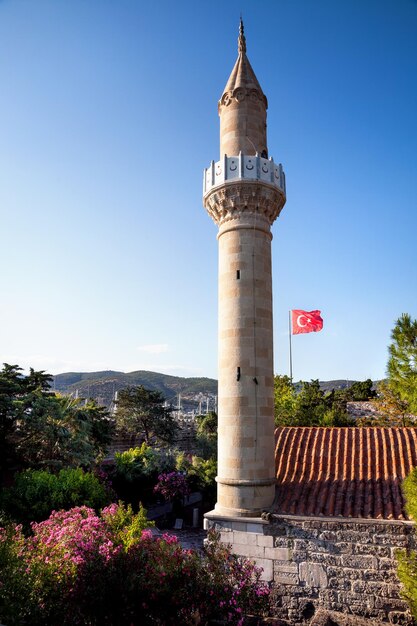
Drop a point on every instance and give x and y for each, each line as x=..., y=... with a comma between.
x=345, y=472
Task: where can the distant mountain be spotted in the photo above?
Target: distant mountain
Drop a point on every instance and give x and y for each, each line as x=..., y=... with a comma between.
x=330, y=385
x=102, y=386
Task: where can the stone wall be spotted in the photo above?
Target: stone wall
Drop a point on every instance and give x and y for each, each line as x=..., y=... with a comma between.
x=342, y=565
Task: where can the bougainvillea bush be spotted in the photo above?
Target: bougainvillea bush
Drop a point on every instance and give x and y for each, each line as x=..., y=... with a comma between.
x=136, y=472
x=78, y=567
x=172, y=485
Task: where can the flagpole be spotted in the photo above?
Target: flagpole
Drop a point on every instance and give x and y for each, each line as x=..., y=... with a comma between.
x=289, y=337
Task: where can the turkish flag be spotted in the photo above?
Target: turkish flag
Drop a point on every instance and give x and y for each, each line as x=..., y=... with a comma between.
x=306, y=321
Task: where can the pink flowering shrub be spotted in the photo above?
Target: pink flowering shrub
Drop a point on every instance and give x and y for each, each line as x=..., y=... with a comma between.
x=180, y=586
x=107, y=570
x=172, y=485
x=235, y=581
x=68, y=557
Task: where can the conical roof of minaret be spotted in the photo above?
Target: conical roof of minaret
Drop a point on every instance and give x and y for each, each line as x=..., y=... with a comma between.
x=242, y=75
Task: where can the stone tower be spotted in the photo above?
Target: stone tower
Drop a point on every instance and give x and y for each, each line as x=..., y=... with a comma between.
x=244, y=193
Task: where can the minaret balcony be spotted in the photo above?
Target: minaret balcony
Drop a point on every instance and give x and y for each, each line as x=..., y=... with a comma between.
x=243, y=168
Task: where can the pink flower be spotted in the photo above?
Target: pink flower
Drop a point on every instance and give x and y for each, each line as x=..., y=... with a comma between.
x=146, y=534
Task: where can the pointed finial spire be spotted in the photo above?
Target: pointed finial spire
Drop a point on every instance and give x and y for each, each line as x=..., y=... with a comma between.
x=241, y=42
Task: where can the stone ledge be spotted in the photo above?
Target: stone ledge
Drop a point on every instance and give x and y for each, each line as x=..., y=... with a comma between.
x=280, y=517
x=228, y=523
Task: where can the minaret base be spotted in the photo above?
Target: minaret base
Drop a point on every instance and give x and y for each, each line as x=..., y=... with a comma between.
x=223, y=512
x=238, y=522
x=244, y=498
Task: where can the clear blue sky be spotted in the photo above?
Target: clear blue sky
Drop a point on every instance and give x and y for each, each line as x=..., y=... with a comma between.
x=108, y=114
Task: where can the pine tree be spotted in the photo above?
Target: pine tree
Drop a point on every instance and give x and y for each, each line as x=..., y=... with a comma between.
x=142, y=412
x=407, y=559
x=402, y=363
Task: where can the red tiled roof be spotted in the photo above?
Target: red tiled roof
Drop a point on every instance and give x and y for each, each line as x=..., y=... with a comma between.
x=347, y=472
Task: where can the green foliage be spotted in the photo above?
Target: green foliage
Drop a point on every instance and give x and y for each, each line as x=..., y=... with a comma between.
x=129, y=464
x=335, y=417
x=397, y=396
x=41, y=429
x=207, y=424
x=142, y=411
x=407, y=573
x=144, y=462
x=312, y=406
x=402, y=363
x=61, y=431
x=17, y=393
x=14, y=584
x=36, y=493
x=202, y=477
x=391, y=409
x=357, y=392
x=206, y=435
x=200, y=472
x=407, y=560
x=206, y=446
x=182, y=462
x=409, y=487
x=361, y=391
x=284, y=400
x=125, y=525
x=136, y=471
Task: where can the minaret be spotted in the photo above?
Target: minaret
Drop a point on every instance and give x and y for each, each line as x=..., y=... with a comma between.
x=244, y=193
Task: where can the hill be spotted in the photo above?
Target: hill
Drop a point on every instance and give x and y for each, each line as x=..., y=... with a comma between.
x=102, y=386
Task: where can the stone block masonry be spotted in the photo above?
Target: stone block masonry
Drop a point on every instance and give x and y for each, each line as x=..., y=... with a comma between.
x=340, y=565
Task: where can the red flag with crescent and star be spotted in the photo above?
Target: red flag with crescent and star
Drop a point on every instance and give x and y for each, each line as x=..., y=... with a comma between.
x=306, y=321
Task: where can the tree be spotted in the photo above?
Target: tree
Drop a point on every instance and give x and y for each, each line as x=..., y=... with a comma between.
x=284, y=401
x=17, y=393
x=10, y=387
x=207, y=424
x=402, y=363
x=61, y=431
x=361, y=391
x=41, y=429
x=407, y=559
x=396, y=400
x=311, y=407
x=391, y=410
x=206, y=435
x=358, y=391
x=311, y=404
x=142, y=411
